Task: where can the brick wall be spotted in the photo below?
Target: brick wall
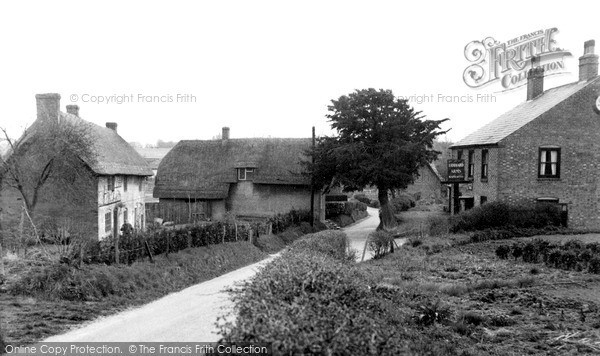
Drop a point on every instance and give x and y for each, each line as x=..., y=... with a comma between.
x=479, y=187
x=574, y=127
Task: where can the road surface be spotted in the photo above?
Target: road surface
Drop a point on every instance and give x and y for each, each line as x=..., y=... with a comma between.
x=191, y=314
x=188, y=315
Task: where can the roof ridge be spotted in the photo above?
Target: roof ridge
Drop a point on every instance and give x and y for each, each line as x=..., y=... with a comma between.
x=481, y=137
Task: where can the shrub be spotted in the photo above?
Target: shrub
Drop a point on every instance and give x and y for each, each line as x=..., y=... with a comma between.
x=362, y=198
x=502, y=252
x=380, y=242
x=594, y=265
x=431, y=313
x=402, y=203
x=331, y=243
x=517, y=250
x=333, y=209
x=374, y=204
x=554, y=257
x=472, y=318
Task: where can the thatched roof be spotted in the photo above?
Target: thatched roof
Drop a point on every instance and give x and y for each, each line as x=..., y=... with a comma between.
x=205, y=169
x=114, y=155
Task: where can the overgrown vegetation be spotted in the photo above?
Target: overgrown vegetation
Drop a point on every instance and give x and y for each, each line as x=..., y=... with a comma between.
x=96, y=281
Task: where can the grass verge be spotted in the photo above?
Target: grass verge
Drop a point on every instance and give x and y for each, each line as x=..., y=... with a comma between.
x=48, y=299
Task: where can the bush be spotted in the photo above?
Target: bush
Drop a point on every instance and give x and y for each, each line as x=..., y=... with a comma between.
x=502, y=252
x=402, y=203
x=333, y=209
x=331, y=243
x=362, y=198
x=594, y=265
x=374, y=204
x=380, y=242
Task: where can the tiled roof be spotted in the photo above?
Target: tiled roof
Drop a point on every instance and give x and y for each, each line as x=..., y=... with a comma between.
x=520, y=115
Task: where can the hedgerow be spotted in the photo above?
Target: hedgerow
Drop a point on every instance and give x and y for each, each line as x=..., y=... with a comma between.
x=138, y=280
x=502, y=216
x=312, y=300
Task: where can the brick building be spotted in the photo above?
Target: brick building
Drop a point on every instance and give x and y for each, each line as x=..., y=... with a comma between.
x=546, y=149
x=110, y=190
x=249, y=177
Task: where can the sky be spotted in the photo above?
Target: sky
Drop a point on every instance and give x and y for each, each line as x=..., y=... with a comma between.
x=183, y=69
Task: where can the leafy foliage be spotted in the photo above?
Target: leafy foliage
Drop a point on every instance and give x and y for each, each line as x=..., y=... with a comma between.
x=381, y=141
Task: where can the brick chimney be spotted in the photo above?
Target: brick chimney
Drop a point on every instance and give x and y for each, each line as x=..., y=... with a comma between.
x=112, y=126
x=225, y=133
x=588, y=63
x=48, y=106
x=535, y=79
x=73, y=110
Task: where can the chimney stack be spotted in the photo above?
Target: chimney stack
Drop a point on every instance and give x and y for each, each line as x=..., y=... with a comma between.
x=588, y=63
x=48, y=106
x=535, y=79
x=225, y=133
x=73, y=110
x=112, y=126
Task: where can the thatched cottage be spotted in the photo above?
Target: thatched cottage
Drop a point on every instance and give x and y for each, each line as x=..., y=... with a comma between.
x=249, y=177
x=110, y=189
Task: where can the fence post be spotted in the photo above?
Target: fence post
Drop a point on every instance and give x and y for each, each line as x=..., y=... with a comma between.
x=168, y=243
x=1, y=264
x=236, y=231
x=224, y=232
x=149, y=252
x=270, y=229
x=117, y=249
x=189, y=239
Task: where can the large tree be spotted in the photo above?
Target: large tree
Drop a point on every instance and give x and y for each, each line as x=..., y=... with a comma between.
x=381, y=141
x=48, y=153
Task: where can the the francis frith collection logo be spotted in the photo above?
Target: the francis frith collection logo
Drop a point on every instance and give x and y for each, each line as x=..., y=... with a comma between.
x=507, y=63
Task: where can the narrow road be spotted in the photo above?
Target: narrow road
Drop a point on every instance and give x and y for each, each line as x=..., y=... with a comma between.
x=188, y=315
x=358, y=232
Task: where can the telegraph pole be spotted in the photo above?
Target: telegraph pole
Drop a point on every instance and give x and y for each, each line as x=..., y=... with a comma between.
x=312, y=182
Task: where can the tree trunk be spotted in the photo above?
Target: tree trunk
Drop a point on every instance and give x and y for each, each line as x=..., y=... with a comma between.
x=387, y=220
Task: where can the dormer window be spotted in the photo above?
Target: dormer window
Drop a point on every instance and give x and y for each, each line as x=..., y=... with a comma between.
x=245, y=173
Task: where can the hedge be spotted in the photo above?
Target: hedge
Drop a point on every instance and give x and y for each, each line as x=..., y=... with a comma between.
x=132, y=247
x=308, y=302
x=499, y=215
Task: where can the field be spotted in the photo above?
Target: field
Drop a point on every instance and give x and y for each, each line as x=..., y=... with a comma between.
x=498, y=307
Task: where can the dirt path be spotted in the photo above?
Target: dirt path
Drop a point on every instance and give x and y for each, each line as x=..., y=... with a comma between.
x=358, y=232
x=188, y=315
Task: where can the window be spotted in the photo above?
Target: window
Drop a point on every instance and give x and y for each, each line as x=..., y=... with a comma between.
x=245, y=173
x=459, y=154
x=482, y=200
x=111, y=183
x=484, y=164
x=141, y=184
x=125, y=216
x=125, y=183
x=107, y=222
x=471, y=168
x=549, y=160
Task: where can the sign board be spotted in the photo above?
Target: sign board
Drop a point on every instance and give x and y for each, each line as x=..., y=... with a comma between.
x=456, y=169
